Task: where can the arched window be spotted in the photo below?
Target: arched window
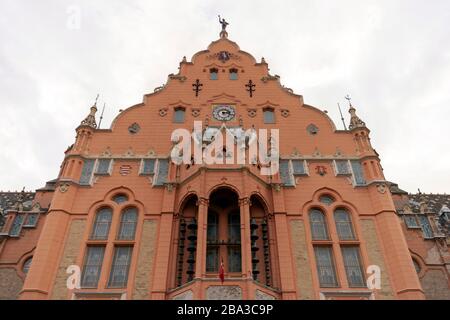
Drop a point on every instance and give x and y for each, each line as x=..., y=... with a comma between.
x=128, y=222
x=212, y=236
x=319, y=230
x=269, y=115
x=179, y=115
x=233, y=74
x=234, y=239
x=344, y=225
x=213, y=74
x=26, y=265
x=120, y=198
x=102, y=224
x=234, y=227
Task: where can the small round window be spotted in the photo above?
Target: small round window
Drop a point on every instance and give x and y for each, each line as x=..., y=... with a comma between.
x=120, y=198
x=326, y=199
x=312, y=129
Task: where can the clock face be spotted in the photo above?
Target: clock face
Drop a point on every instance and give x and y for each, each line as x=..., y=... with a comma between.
x=224, y=113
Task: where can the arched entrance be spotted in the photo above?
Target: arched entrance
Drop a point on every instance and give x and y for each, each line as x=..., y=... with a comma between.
x=223, y=240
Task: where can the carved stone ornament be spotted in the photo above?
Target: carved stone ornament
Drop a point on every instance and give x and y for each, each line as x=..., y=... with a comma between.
x=251, y=113
x=195, y=112
x=177, y=77
x=107, y=153
x=321, y=170
x=134, y=128
x=381, y=187
x=163, y=112
x=285, y=113
x=64, y=187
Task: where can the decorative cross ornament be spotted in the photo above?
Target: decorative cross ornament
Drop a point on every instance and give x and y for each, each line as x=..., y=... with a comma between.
x=197, y=87
x=250, y=87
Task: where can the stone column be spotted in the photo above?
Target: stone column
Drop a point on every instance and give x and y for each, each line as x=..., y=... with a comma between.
x=46, y=257
x=244, y=205
x=202, y=223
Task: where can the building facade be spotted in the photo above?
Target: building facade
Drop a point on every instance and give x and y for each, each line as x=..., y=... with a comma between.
x=123, y=220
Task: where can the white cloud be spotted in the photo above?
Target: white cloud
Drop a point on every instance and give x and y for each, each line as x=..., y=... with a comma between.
x=392, y=57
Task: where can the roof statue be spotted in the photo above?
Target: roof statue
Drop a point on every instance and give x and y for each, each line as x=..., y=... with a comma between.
x=223, y=33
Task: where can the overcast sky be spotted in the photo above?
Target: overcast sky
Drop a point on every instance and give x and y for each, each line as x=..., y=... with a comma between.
x=392, y=57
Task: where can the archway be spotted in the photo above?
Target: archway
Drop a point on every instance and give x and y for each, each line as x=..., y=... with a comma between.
x=223, y=242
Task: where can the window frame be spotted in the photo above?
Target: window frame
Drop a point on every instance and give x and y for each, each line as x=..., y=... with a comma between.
x=126, y=210
x=272, y=111
x=360, y=266
x=175, y=112
x=312, y=224
x=97, y=166
x=83, y=285
x=112, y=269
x=92, y=235
x=214, y=71
x=233, y=74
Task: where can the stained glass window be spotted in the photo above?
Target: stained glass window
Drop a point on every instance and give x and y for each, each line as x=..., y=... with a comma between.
x=121, y=264
x=326, y=199
x=120, y=198
x=31, y=220
x=285, y=173
x=86, y=172
x=344, y=225
x=128, y=222
x=163, y=170
x=103, y=166
x=342, y=167
x=411, y=221
x=358, y=173
x=148, y=166
x=298, y=167
x=353, y=268
x=102, y=224
x=426, y=227
x=318, y=224
x=325, y=266
x=92, y=267
x=17, y=225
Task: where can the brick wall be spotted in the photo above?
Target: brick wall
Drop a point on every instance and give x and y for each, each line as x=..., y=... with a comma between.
x=302, y=264
x=69, y=257
x=145, y=261
x=10, y=284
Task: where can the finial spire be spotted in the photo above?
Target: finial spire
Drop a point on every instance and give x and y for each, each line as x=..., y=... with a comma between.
x=223, y=33
x=90, y=119
x=355, y=121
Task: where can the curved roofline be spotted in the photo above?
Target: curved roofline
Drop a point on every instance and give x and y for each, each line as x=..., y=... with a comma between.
x=234, y=44
x=113, y=123
x=333, y=126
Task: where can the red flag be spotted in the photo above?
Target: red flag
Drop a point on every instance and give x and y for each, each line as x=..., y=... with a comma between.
x=221, y=271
